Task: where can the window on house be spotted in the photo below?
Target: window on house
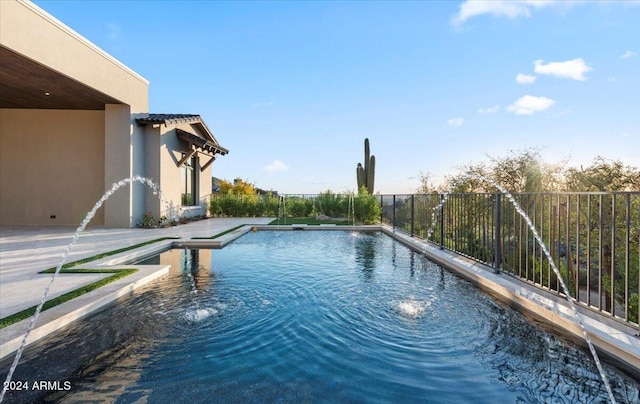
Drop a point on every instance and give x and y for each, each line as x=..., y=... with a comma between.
x=189, y=182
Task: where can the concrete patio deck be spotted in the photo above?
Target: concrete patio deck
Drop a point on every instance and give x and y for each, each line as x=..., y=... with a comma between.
x=25, y=251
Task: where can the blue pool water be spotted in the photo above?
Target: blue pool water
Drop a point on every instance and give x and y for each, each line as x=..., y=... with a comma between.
x=314, y=317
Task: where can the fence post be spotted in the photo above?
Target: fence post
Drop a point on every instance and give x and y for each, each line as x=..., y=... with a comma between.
x=394, y=212
x=442, y=221
x=412, y=214
x=497, y=245
x=381, y=208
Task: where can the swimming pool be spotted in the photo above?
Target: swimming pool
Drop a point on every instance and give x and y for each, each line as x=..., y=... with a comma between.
x=313, y=316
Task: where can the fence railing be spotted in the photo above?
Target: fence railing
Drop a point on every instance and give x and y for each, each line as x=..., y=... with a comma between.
x=593, y=238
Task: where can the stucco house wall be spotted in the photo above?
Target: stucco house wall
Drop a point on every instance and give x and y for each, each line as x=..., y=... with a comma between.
x=31, y=31
x=57, y=137
x=52, y=166
x=164, y=151
x=69, y=129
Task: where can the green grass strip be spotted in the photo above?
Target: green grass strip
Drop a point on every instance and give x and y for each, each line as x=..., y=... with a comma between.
x=66, y=267
x=309, y=221
x=27, y=313
x=219, y=234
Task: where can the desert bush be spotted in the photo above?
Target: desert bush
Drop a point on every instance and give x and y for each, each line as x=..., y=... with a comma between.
x=367, y=207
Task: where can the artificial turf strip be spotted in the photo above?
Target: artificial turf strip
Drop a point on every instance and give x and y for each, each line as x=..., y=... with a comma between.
x=219, y=234
x=24, y=314
x=65, y=267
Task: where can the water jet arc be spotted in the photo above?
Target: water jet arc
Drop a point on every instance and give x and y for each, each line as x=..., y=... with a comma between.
x=76, y=235
x=545, y=250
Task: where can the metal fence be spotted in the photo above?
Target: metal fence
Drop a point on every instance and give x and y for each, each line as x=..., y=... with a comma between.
x=593, y=239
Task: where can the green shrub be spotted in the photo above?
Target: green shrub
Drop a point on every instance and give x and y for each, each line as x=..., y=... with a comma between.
x=367, y=207
x=633, y=308
x=270, y=205
x=299, y=207
x=215, y=206
x=332, y=205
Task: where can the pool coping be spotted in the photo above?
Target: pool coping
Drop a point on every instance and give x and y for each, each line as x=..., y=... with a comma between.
x=64, y=314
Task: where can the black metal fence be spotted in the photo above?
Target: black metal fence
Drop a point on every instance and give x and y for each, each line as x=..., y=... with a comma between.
x=593, y=239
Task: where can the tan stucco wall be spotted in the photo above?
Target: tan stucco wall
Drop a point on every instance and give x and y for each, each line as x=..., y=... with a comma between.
x=170, y=154
x=58, y=158
x=118, y=155
x=52, y=164
x=31, y=31
x=205, y=177
x=27, y=29
x=164, y=151
x=204, y=187
x=152, y=168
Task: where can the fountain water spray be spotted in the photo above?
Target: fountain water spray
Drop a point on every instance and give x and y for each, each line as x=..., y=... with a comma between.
x=76, y=235
x=351, y=210
x=543, y=246
x=188, y=265
x=282, y=209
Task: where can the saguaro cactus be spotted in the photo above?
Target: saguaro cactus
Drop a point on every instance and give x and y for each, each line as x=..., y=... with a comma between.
x=366, y=175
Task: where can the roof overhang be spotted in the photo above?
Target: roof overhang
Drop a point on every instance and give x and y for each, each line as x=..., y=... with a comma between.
x=201, y=143
x=27, y=84
x=205, y=140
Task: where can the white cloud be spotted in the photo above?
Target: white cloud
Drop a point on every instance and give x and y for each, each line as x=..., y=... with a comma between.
x=525, y=79
x=628, y=54
x=529, y=104
x=456, y=121
x=490, y=110
x=570, y=69
x=503, y=8
x=277, y=165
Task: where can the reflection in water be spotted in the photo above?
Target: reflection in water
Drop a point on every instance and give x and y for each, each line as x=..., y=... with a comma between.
x=365, y=248
x=311, y=328
x=107, y=351
x=412, y=264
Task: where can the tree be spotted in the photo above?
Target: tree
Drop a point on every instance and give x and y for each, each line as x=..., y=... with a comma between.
x=239, y=187
x=520, y=171
x=603, y=175
x=426, y=186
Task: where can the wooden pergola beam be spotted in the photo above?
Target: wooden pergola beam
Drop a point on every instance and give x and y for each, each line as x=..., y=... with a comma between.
x=187, y=156
x=208, y=163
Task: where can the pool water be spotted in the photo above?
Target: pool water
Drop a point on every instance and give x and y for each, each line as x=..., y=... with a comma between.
x=314, y=316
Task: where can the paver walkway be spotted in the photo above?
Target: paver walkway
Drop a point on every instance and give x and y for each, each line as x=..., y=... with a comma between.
x=27, y=250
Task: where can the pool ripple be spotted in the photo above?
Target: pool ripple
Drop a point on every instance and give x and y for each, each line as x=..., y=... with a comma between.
x=316, y=317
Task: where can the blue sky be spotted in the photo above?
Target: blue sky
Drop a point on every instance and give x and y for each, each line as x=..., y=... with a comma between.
x=292, y=88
